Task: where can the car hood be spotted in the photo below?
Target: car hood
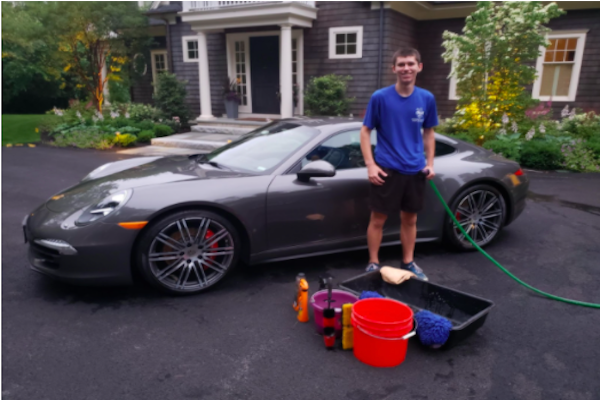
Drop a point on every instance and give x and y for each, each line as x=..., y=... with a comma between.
x=158, y=171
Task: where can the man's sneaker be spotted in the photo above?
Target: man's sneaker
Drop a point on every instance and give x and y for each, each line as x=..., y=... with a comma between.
x=414, y=268
x=372, y=267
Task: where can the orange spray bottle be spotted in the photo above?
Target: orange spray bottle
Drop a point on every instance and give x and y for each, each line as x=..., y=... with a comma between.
x=296, y=305
x=303, y=300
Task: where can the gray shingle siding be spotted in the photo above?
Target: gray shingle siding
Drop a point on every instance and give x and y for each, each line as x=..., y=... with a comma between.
x=434, y=76
x=316, y=49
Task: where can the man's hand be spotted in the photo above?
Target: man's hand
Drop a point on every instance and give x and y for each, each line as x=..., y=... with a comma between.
x=431, y=171
x=375, y=174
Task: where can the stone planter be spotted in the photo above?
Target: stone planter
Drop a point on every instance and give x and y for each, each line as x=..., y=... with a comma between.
x=232, y=109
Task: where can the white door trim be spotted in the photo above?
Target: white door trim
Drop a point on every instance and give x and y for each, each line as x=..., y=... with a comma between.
x=167, y=66
x=231, y=38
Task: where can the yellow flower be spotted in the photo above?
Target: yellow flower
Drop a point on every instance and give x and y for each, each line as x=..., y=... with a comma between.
x=31, y=145
x=37, y=130
x=9, y=145
x=481, y=137
x=19, y=144
x=117, y=133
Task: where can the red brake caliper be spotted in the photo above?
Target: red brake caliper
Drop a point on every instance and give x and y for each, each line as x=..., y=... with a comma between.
x=210, y=234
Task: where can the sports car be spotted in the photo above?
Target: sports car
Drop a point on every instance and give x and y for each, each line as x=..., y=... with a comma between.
x=292, y=188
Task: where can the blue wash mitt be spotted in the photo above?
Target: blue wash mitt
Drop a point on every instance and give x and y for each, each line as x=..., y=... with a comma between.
x=432, y=329
x=370, y=295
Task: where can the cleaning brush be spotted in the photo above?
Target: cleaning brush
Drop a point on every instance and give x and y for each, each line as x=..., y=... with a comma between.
x=347, y=329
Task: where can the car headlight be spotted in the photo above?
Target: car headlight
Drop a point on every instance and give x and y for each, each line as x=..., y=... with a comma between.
x=103, y=208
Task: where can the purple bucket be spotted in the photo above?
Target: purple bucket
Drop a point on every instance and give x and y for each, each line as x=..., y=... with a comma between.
x=318, y=302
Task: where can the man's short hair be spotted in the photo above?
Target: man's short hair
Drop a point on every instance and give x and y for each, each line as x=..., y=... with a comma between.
x=407, y=52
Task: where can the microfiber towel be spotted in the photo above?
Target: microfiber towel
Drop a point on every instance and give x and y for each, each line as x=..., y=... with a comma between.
x=395, y=276
x=432, y=329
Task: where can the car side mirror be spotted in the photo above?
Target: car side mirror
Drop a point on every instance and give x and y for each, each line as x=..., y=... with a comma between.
x=316, y=169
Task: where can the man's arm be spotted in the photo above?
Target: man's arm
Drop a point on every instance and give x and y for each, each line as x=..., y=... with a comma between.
x=429, y=144
x=373, y=169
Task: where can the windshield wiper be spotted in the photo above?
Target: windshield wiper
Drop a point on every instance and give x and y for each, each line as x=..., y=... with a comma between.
x=203, y=160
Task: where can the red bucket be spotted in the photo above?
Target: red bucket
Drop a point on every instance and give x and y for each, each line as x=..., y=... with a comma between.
x=382, y=329
x=382, y=314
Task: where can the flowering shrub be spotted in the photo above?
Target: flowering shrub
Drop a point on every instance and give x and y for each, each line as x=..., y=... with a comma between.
x=537, y=142
x=117, y=125
x=579, y=158
x=494, y=61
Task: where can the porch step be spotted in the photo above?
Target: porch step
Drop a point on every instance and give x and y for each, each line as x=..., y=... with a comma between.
x=222, y=129
x=228, y=126
x=195, y=140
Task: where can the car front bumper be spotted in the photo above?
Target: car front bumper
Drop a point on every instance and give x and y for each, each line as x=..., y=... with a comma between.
x=101, y=256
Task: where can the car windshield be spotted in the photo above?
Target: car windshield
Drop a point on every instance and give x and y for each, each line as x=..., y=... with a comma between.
x=263, y=150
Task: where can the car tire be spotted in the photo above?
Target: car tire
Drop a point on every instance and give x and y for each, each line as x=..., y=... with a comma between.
x=188, y=252
x=482, y=211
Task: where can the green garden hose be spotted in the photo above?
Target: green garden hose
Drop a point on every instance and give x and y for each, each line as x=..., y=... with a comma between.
x=577, y=303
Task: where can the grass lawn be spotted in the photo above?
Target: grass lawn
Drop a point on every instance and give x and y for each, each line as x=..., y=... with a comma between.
x=21, y=128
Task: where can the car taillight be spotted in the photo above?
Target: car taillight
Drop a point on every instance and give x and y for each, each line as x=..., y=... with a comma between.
x=519, y=172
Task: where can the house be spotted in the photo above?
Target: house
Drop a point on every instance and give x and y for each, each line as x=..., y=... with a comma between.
x=269, y=46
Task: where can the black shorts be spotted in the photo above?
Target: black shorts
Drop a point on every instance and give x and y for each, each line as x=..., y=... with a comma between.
x=399, y=192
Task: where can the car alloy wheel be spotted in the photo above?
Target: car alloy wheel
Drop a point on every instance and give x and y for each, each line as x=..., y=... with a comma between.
x=481, y=211
x=188, y=253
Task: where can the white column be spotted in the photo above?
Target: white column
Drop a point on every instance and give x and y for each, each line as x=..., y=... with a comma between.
x=287, y=103
x=205, y=101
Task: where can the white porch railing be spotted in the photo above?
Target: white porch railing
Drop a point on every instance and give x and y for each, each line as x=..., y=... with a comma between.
x=216, y=5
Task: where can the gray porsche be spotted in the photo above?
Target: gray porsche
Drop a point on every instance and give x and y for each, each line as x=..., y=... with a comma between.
x=293, y=188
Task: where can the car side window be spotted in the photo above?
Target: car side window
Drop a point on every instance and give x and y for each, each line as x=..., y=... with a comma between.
x=341, y=150
x=442, y=149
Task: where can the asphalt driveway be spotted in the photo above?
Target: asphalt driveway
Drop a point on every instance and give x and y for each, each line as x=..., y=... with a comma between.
x=241, y=340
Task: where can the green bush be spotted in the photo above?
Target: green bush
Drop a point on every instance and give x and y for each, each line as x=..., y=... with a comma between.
x=584, y=126
x=541, y=154
x=84, y=139
x=145, y=136
x=118, y=92
x=326, y=95
x=579, y=158
x=162, y=130
x=129, y=129
x=505, y=148
x=124, y=140
x=140, y=112
x=170, y=98
x=144, y=125
x=593, y=144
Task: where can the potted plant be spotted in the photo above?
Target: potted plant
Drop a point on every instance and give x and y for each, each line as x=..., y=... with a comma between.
x=231, y=98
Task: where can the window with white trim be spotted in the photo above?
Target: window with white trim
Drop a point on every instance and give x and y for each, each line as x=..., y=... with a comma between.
x=160, y=63
x=559, y=66
x=345, y=42
x=190, y=48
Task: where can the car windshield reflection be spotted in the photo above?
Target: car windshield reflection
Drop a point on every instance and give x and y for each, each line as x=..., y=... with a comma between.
x=263, y=150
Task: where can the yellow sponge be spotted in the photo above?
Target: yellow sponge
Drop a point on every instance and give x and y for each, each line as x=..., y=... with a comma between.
x=347, y=330
x=346, y=314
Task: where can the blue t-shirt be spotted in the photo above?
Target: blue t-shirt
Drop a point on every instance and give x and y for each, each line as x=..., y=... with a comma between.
x=398, y=121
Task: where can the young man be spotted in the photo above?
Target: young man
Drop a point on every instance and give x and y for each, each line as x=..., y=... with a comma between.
x=398, y=171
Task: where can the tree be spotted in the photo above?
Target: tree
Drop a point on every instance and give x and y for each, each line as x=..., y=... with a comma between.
x=494, y=60
x=80, y=39
x=28, y=58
